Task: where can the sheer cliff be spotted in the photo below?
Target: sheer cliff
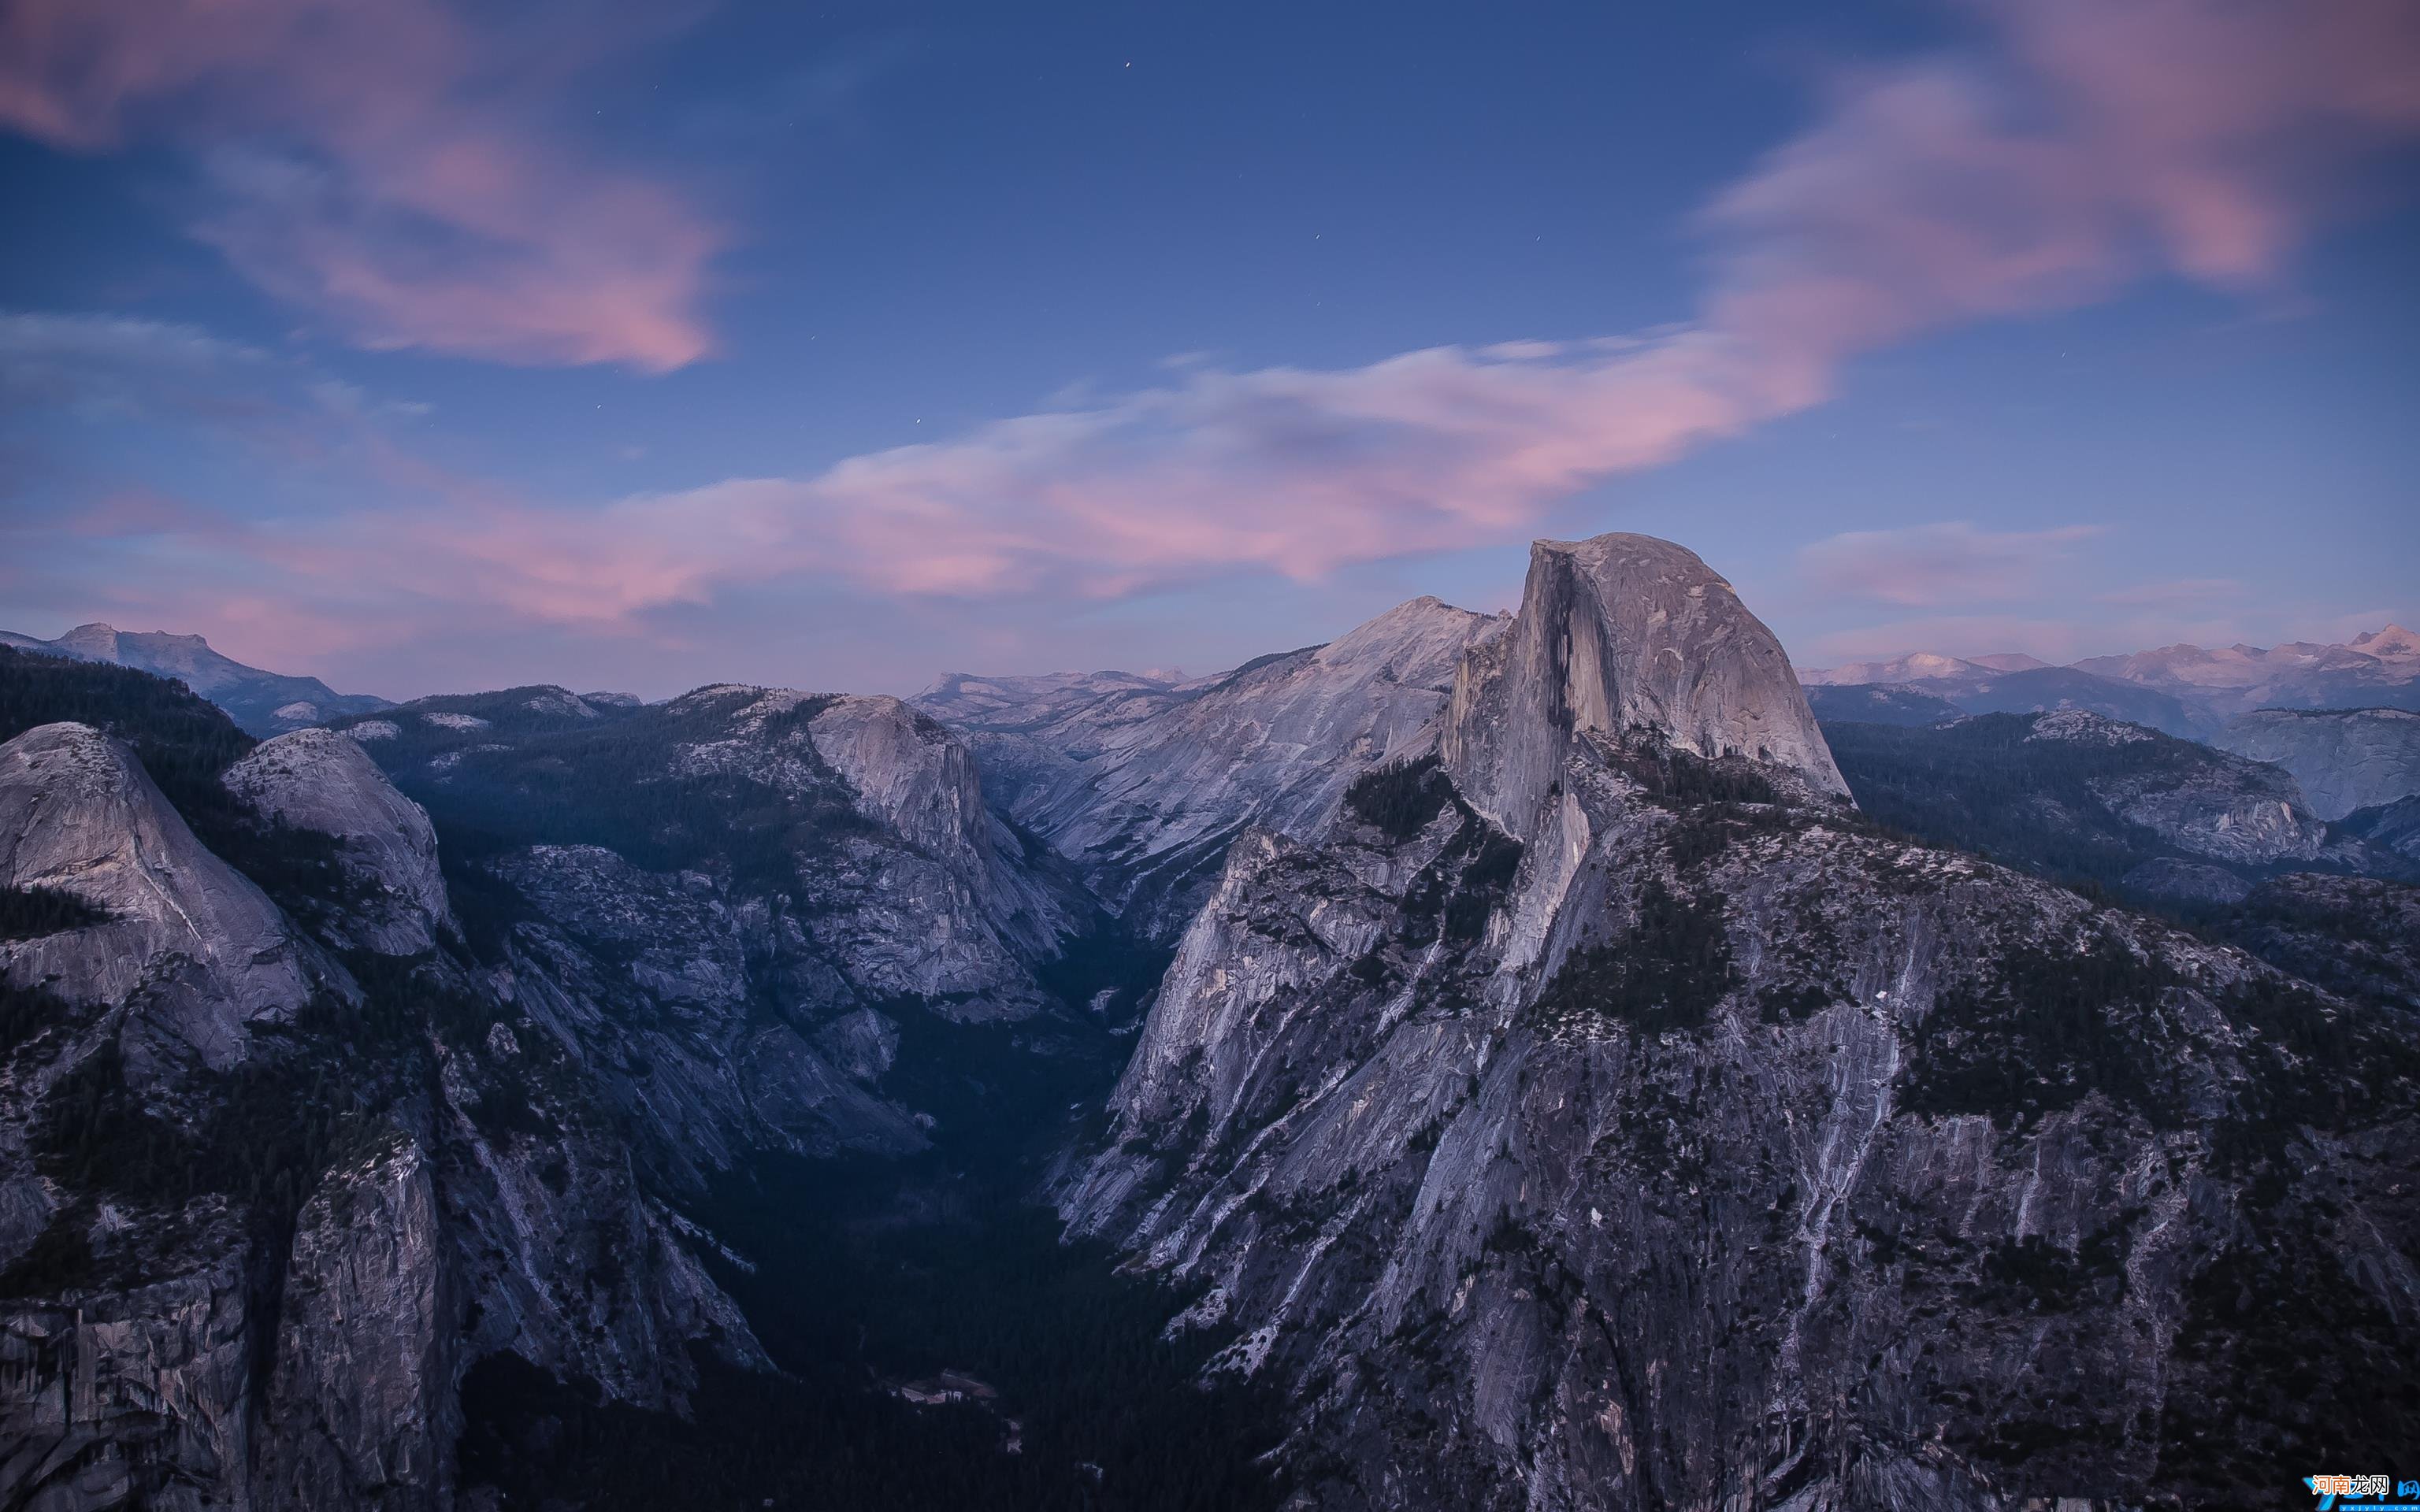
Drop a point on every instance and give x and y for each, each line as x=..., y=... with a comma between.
x=1604, y=1115
x=1145, y=785
x=309, y=1103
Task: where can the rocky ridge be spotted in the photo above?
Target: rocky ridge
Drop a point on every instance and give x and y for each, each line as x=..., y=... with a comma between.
x=1603, y=1114
x=2344, y=759
x=281, y=1160
x=2182, y=689
x=263, y=703
x=1143, y=784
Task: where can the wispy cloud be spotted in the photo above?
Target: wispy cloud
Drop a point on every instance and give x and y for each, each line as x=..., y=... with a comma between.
x=1932, y=566
x=361, y=161
x=2086, y=146
x=2079, y=147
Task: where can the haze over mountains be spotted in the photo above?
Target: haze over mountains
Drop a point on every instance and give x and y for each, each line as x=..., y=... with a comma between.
x=1529, y=1059
x=2182, y=688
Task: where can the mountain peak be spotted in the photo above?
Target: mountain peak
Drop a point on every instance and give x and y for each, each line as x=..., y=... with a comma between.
x=1617, y=633
x=94, y=642
x=2391, y=641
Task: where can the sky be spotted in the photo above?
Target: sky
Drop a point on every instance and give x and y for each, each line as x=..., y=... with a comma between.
x=422, y=347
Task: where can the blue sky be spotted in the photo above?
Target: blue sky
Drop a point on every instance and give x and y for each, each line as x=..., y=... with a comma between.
x=422, y=347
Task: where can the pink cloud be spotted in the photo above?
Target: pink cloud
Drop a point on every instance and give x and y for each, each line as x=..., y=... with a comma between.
x=2089, y=144
x=360, y=166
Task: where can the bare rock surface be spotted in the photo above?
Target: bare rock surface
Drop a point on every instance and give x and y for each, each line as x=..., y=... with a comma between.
x=190, y=949
x=1610, y=1118
x=1143, y=784
x=322, y=781
x=2344, y=759
x=1616, y=633
x=2212, y=804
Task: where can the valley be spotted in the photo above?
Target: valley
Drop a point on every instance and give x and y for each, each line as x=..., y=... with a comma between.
x=1519, y=1060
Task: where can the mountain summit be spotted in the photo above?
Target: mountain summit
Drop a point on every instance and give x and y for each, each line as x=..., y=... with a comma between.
x=1617, y=634
x=263, y=703
x=1605, y=1116
x=2185, y=689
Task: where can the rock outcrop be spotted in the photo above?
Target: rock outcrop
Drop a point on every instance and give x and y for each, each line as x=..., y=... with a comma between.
x=2344, y=759
x=189, y=949
x=361, y=1394
x=283, y=1156
x=2210, y=804
x=1616, y=634
x=1607, y=1117
x=1145, y=785
x=321, y=781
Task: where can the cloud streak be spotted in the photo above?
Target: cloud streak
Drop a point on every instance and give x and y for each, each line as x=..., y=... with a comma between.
x=2080, y=145
x=360, y=162
x=2084, y=145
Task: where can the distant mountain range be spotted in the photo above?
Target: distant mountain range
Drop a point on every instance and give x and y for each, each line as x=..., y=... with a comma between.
x=2182, y=689
x=1538, y=1055
x=263, y=703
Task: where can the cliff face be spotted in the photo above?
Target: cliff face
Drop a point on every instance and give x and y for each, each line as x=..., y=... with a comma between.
x=1144, y=785
x=1607, y=1118
x=189, y=950
x=322, y=782
x=2344, y=759
x=282, y=1158
x=1618, y=633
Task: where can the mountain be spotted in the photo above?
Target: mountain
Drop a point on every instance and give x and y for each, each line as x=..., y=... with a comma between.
x=2081, y=799
x=2346, y=759
x=1143, y=783
x=2048, y=688
x=1600, y=1113
x=1972, y=688
x=2395, y=825
x=363, y=1138
x=264, y=703
x=1917, y=666
x=1485, y=1062
x=2182, y=689
x=867, y=814
x=2380, y=668
x=1895, y=703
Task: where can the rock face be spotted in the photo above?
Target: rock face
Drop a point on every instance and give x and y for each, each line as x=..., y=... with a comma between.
x=361, y=1394
x=1144, y=783
x=2394, y=825
x=2344, y=759
x=190, y=950
x=263, y=703
x=1606, y=1118
x=2073, y=795
x=1615, y=634
x=320, y=781
x=917, y=781
x=2229, y=810
x=284, y=1155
